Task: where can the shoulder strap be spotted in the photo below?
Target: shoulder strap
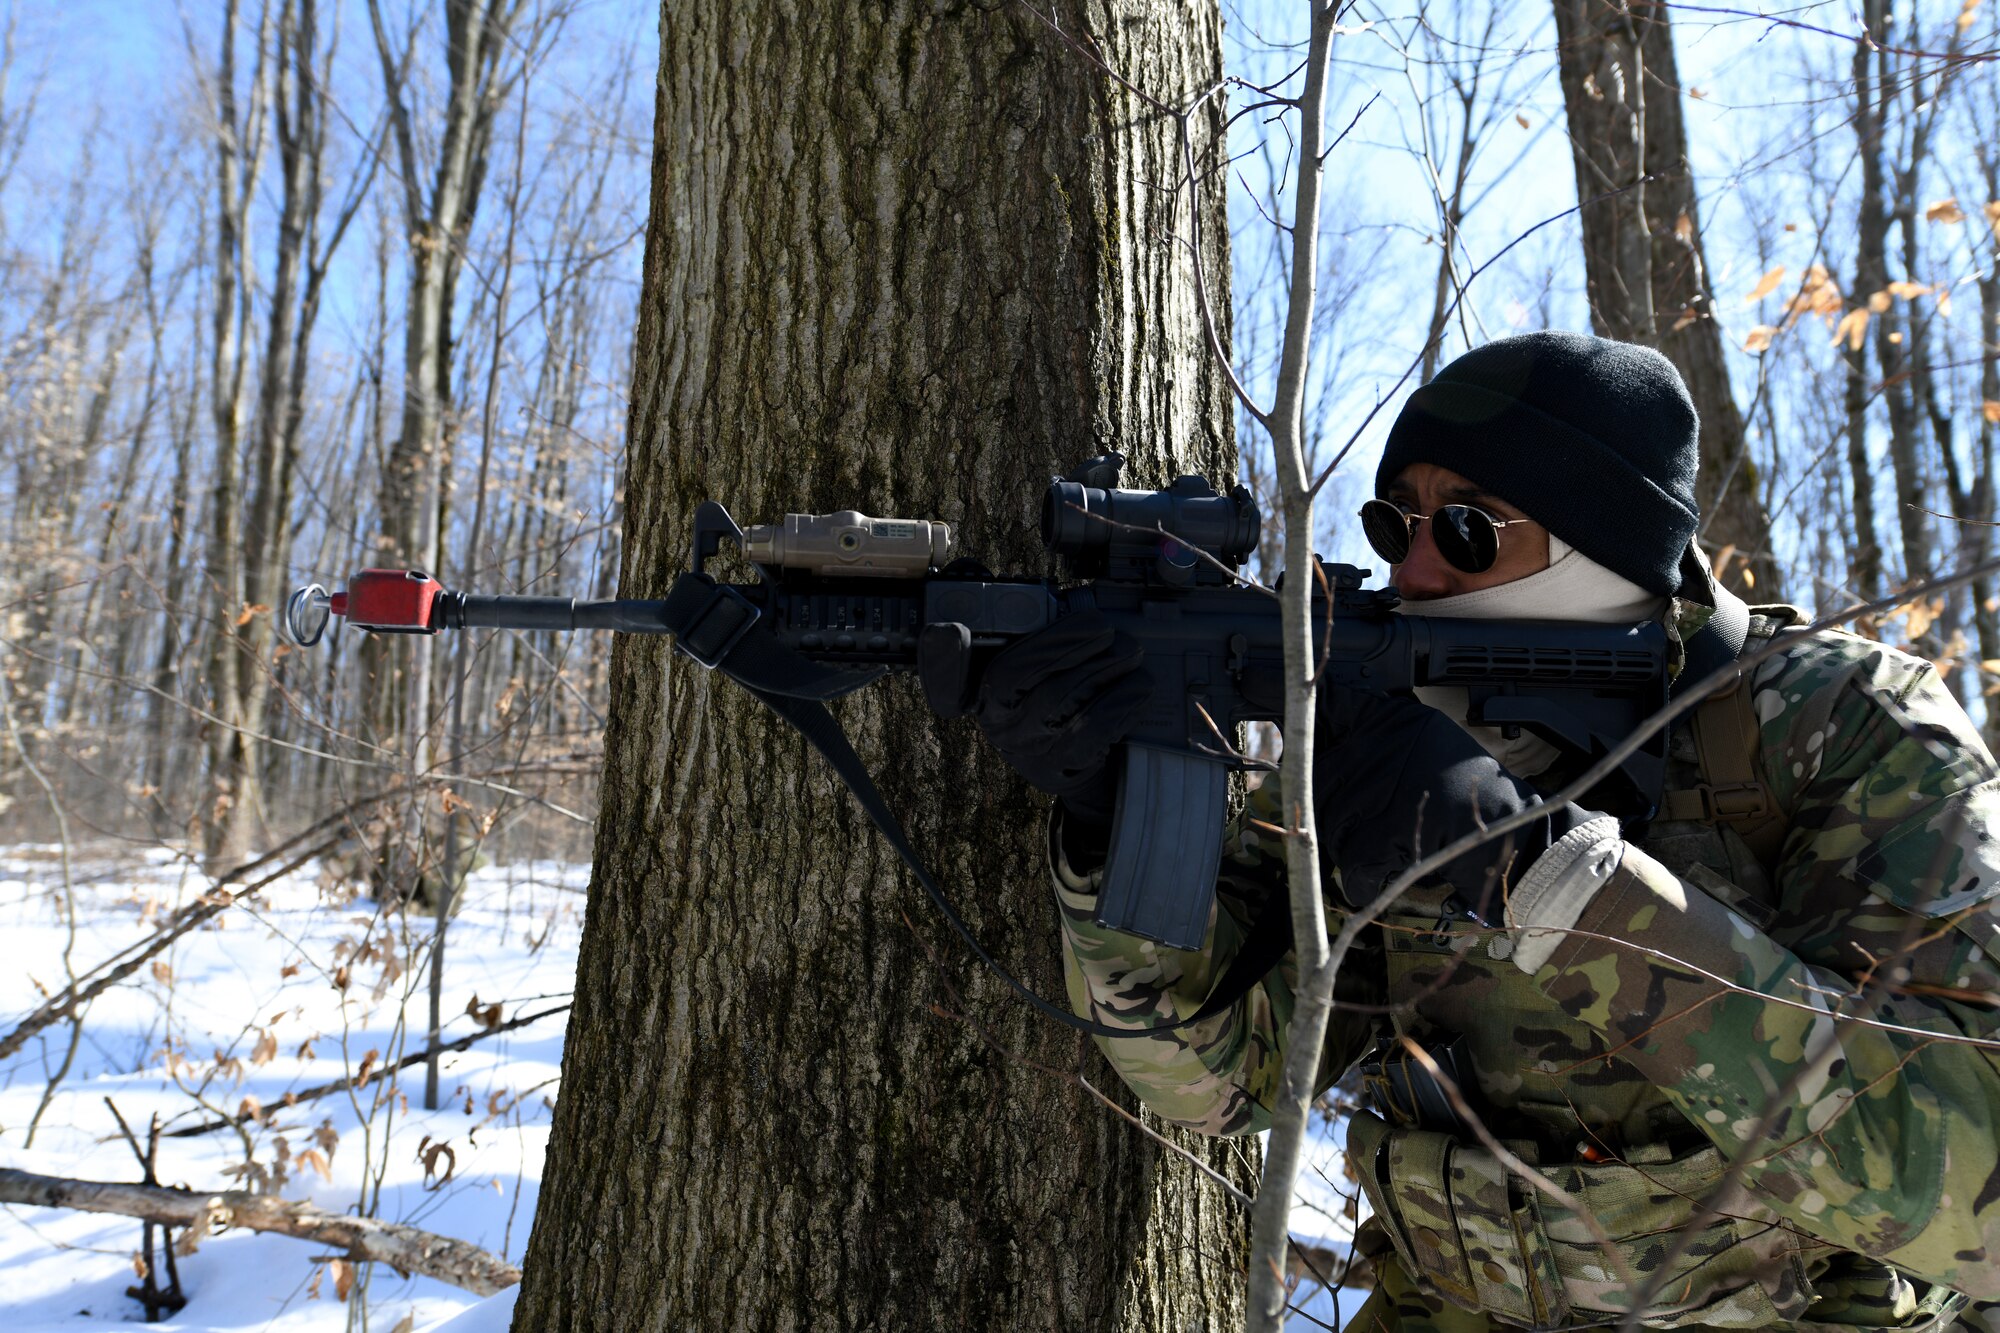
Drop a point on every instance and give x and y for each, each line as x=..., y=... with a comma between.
x=1728, y=746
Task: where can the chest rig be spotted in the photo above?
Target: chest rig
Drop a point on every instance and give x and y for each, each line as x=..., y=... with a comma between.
x=1463, y=1225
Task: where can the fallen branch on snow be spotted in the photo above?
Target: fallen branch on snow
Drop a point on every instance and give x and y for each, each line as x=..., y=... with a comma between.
x=406, y=1249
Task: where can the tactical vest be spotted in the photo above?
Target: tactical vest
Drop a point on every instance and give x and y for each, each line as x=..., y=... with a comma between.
x=1470, y=1231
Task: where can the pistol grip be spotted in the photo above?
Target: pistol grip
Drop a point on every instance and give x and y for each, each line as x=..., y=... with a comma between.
x=1166, y=843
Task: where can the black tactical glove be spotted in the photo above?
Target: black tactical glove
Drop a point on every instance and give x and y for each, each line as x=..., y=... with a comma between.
x=1056, y=702
x=1395, y=781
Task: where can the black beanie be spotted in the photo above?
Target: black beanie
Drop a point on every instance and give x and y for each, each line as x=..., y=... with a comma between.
x=1593, y=439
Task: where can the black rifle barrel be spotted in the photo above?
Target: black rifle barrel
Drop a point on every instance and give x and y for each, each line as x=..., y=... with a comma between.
x=493, y=611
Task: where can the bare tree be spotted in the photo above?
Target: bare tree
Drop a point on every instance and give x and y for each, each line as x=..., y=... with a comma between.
x=898, y=261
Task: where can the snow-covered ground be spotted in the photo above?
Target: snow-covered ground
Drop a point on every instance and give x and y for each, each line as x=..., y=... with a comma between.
x=298, y=987
x=289, y=990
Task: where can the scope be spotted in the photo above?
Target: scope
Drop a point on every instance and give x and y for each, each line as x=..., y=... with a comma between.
x=1146, y=536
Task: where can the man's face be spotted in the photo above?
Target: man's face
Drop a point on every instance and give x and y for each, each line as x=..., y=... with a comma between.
x=1422, y=488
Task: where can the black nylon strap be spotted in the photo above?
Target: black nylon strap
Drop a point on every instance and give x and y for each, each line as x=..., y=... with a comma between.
x=1721, y=639
x=793, y=686
x=1267, y=939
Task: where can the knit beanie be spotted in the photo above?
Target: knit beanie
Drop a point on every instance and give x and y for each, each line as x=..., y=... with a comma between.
x=1593, y=439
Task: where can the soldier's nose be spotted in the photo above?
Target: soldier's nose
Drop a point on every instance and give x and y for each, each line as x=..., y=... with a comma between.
x=1424, y=574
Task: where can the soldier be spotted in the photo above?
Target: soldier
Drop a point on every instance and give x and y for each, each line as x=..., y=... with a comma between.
x=1777, y=975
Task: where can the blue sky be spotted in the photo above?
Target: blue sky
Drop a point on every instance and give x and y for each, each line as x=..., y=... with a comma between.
x=120, y=67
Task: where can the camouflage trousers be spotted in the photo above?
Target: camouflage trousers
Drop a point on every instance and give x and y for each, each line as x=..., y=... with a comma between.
x=1399, y=1305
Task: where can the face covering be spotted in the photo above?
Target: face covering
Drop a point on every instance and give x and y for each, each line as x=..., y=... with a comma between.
x=1574, y=587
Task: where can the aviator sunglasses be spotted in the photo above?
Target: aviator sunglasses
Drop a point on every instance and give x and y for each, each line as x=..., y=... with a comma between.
x=1468, y=538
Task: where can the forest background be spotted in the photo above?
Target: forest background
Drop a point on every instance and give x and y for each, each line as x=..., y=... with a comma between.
x=253, y=255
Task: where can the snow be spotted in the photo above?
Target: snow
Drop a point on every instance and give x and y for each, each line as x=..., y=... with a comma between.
x=493, y=1315
x=248, y=1007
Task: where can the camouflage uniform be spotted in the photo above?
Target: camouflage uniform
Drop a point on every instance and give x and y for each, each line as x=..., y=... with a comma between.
x=1697, y=995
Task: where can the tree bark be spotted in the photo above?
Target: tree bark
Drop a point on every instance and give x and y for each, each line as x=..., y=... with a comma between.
x=909, y=261
x=1871, y=274
x=1644, y=267
x=232, y=742
x=479, y=34
x=1986, y=610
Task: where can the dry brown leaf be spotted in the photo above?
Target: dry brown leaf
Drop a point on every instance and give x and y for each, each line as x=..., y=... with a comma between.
x=316, y=1160
x=1749, y=577
x=1992, y=211
x=1908, y=290
x=249, y=613
x=407, y=1323
x=367, y=1064
x=452, y=801
x=1990, y=409
x=1853, y=327
x=139, y=1266
x=341, y=976
x=343, y=1278
x=1722, y=559
x=428, y=1153
x=1968, y=12
x=289, y=970
x=1698, y=94
x=162, y=972
x=1944, y=302
x=1946, y=211
x=1521, y=119
x=250, y=1109
x=487, y=1017
x=1765, y=285
x=1879, y=302
x=1991, y=666
x=1818, y=295
x=1791, y=226
x=1684, y=228
x=328, y=1138
x=1759, y=338
x=266, y=1048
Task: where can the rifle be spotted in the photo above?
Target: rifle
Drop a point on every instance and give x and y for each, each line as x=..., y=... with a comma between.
x=841, y=599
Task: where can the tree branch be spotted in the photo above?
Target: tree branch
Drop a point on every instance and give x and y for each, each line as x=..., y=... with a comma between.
x=365, y=1240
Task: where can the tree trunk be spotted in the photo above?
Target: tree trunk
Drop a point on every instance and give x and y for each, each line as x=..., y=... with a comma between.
x=1986, y=610
x=1871, y=274
x=910, y=262
x=232, y=756
x=416, y=470
x=1643, y=262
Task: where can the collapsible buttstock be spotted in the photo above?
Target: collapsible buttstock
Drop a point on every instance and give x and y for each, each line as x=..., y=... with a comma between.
x=1166, y=844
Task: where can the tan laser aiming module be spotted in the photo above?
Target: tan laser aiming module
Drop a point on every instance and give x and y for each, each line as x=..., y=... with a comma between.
x=849, y=544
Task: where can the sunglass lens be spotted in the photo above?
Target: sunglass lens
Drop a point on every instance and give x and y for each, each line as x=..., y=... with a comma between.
x=1387, y=529
x=1466, y=537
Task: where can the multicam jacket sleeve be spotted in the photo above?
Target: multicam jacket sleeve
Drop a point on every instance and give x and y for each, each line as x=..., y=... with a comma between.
x=1837, y=1034
x=1217, y=1077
